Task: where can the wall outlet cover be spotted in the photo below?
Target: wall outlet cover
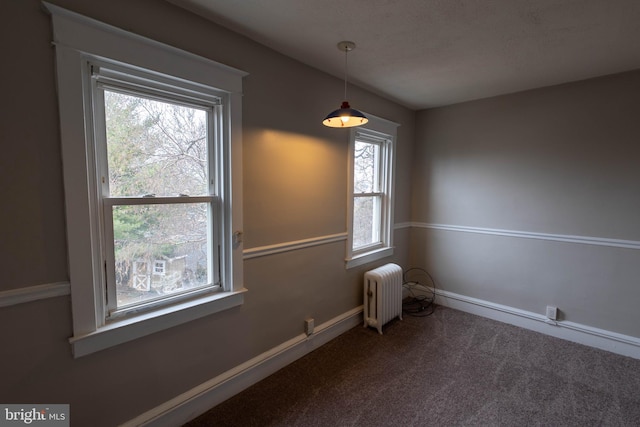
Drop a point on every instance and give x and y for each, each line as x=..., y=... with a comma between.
x=308, y=326
x=552, y=312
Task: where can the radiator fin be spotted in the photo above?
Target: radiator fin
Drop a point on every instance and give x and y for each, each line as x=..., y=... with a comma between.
x=382, y=295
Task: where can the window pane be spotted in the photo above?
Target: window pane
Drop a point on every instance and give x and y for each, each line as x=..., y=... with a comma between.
x=155, y=147
x=366, y=168
x=366, y=221
x=159, y=250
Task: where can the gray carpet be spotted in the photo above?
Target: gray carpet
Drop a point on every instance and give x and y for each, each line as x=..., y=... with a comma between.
x=449, y=369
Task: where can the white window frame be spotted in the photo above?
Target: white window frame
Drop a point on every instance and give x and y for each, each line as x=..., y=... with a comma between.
x=107, y=76
x=79, y=41
x=384, y=133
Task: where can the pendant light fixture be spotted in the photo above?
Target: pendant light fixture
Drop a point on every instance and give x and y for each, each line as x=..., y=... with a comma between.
x=345, y=116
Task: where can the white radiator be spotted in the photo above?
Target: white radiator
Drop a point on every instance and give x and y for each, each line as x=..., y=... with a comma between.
x=382, y=295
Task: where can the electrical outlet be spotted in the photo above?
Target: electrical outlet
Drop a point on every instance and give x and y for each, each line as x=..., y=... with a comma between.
x=552, y=312
x=308, y=326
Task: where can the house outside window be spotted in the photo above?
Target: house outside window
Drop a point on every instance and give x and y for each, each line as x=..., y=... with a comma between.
x=371, y=176
x=151, y=147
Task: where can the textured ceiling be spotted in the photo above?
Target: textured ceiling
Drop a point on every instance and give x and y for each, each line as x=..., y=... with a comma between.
x=426, y=53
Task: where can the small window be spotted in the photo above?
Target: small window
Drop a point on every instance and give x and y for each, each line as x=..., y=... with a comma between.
x=368, y=194
x=371, y=192
x=159, y=267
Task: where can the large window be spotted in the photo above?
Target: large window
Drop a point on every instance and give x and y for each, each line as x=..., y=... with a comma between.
x=371, y=192
x=151, y=146
x=159, y=189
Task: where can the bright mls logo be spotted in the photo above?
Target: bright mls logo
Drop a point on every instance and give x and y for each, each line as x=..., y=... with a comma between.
x=37, y=415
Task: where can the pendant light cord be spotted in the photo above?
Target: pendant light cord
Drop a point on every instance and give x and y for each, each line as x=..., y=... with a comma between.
x=346, y=51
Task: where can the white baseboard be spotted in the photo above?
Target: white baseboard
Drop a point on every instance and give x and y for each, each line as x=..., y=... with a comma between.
x=599, y=338
x=198, y=400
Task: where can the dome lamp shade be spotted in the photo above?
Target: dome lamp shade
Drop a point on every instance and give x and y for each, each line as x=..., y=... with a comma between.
x=345, y=116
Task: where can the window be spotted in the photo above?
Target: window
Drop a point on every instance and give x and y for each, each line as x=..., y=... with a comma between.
x=151, y=146
x=371, y=192
x=368, y=194
x=159, y=267
x=159, y=190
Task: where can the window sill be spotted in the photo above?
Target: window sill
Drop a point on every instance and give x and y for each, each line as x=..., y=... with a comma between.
x=119, y=332
x=369, y=257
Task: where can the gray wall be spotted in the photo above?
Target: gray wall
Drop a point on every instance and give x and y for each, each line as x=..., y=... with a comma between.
x=562, y=160
x=294, y=188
